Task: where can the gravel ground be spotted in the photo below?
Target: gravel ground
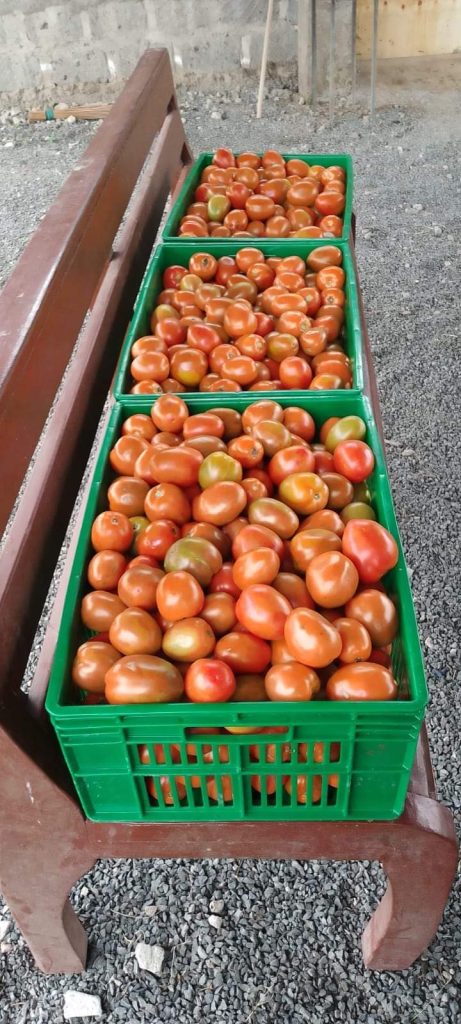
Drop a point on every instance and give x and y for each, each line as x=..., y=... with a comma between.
x=288, y=949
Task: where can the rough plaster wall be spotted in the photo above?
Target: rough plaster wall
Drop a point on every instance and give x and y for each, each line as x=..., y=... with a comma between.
x=95, y=41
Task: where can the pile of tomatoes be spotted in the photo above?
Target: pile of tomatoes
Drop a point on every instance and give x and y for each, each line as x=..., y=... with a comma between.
x=267, y=196
x=247, y=322
x=239, y=559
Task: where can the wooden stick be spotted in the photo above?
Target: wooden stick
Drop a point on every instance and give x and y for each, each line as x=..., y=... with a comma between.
x=332, y=61
x=95, y=112
x=313, y=52
x=374, y=56
x=262, y=77
x=303, y=49
x=353, y=49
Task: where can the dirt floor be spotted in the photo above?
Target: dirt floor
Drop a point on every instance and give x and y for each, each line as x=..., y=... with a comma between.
x=288, y=950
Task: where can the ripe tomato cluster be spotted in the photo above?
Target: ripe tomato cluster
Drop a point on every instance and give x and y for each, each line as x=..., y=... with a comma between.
x=239, y=559
x=247, y=322
x=199, y=748
x=267, y=196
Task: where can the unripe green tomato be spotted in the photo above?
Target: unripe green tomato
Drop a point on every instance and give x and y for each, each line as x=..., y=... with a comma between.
x=362, y=492
x=279, y=346
x=139, y=524
x=218, y=207
x=357, y=510
x=190, y=283
x=348, y=428
x=219, y=466
x=195, y=555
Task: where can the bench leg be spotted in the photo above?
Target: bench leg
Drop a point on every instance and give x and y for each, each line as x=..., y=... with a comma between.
x=37, y=895
x=43, y=852
x=419, y=876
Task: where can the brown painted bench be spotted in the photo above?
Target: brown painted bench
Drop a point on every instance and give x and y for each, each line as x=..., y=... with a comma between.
x=70, y=266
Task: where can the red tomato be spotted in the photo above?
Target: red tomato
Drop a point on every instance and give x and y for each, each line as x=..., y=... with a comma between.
x=223, y=158
x=243, y=652
x=220, y=789
x=364, y=681
x=291, y=681
x=294, y=459
x=127, y=495
x=304, y=492
x=167, y=501
x=188, y=639
x=209, y=680
x=311, y=639
x=280, y=652
x=92, y=661
x=203, y=337
x=134, y=631
x=223, y=582
x=204, y=265
x=254, y=536
x=263, y=611
x=143, y=679
x=250, y=687
x=179, y=595
x=239, y=319
x=354, y=459
x=299, y=422
x=171, y=331
x=176, y=466
x=260, y=565
x=157, y=538
x=112, y=531
x=203, y=423
x=355, y=639
x=294, y=589
x=324, y=519
x=380, y=657
x=295, y=373
x=169, y=413
x=311, y=542
x=105, y=569
x=219, y=612
x=377, y=613
x=173, y=275
x=220, y=503
x=308, y=788
x=140, y=425
x=370, y=547
x=172, y=789
x=247, y=450
x=137, y=588
x=331, y=579
x=275, y=515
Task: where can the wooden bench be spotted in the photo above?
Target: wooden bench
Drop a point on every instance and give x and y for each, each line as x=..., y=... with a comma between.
x=70, y=266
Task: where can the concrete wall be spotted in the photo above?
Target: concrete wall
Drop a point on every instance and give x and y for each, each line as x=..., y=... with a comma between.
x=79, y=41
x=79, y=46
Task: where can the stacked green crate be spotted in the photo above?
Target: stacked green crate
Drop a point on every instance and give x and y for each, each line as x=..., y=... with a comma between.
x=186, y=195
x=377, y=740
x=179, y=253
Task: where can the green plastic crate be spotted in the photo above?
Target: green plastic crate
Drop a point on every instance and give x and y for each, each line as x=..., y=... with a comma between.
x=179, y=253
x=186, y=195
x=378, y=740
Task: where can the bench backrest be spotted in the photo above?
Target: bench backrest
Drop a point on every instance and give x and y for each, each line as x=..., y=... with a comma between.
x=72, y=267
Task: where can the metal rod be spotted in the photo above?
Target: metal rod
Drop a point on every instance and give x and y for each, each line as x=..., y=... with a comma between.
x=353, y=49
x=332, y=54
x=262, y=77
x=374, y=51
x=313, y=52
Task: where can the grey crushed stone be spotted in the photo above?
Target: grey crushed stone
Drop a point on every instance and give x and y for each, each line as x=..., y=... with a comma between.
x=289, y=949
